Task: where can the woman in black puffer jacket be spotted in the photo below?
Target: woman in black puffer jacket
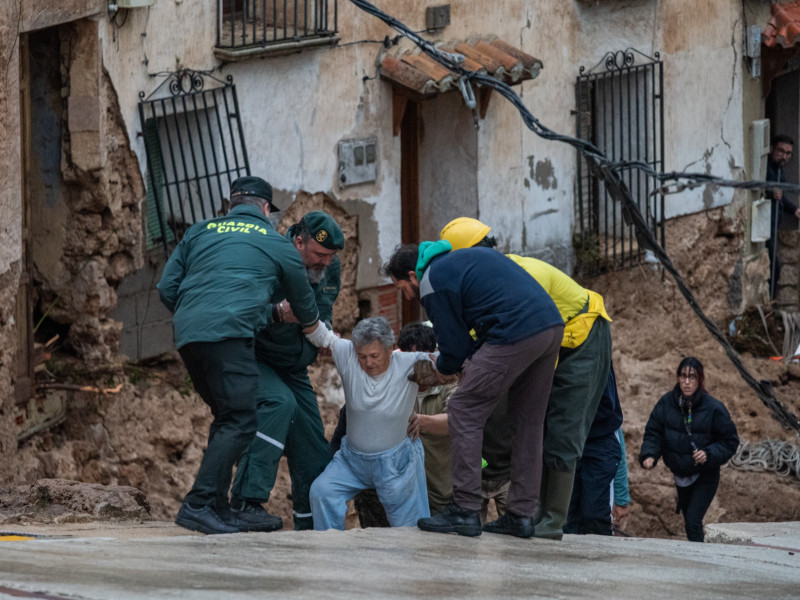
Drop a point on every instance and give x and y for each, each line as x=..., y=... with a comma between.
x=695, y=435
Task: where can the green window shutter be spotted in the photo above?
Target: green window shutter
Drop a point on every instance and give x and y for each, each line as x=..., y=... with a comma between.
x=158, y=232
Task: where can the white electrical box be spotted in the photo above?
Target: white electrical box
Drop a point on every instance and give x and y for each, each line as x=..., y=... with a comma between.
x=760, y=212
x=358, y=161
x=134, y=3
x=760, y=148
x=752, y=41
x=760, y=220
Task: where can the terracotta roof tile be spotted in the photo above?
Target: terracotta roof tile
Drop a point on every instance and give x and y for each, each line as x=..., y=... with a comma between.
x=783, y=26
x=442, y=77
x=419, y=73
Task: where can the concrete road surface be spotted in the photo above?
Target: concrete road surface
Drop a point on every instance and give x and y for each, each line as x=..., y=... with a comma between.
x=158, y=560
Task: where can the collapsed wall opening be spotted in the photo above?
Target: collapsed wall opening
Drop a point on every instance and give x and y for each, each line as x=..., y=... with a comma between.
x=81, y=191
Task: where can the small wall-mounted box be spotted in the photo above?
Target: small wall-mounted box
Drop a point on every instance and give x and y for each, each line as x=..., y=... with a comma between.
x=437, y=17
x=358, y=161
x=134, y=3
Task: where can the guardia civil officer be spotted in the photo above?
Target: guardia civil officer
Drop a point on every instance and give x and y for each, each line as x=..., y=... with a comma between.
x=288, y=415
x=218, y=283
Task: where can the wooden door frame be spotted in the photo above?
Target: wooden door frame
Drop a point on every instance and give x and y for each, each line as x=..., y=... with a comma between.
x=409, y=190
x=24, y=386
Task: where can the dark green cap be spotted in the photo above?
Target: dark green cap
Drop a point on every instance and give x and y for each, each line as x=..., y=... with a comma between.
x=323, y=228
x=253, y=186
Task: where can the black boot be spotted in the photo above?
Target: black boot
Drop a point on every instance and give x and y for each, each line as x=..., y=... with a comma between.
x=252, y=516
x=453, y=519
x=511, y=524
x=204, y=519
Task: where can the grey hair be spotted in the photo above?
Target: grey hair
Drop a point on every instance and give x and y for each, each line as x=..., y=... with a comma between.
x=373, y=329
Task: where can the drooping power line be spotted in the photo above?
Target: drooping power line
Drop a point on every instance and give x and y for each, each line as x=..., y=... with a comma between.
x=609, y=172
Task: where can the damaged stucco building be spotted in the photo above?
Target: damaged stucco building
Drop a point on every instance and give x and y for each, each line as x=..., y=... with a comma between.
x=122, y=122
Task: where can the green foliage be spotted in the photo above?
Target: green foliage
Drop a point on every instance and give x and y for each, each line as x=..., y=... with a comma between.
x=587, y=247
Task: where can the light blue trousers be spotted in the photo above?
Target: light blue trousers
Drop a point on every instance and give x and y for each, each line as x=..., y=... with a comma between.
x=397, y=474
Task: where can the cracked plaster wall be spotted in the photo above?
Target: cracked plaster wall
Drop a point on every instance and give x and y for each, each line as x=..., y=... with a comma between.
x=296, y=108
x=11, y=222
x=700, y=47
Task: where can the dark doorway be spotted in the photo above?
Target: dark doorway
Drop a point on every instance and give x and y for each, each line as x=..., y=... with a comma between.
x=439, y=170
x=41, y=110
x=781, y=109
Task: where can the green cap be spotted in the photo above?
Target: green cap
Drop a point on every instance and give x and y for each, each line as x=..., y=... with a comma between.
x=324, y=229
x=253, y=186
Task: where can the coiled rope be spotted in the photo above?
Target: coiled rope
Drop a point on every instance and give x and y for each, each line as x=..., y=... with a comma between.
x=768, y=455
x=609, y=172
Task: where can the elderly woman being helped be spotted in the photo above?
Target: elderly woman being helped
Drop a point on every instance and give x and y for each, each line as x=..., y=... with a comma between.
x=376, y=452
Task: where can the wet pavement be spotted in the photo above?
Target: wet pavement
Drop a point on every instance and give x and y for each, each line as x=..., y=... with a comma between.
x=160, y=560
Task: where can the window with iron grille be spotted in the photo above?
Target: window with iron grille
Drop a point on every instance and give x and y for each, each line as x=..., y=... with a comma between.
x=620, y=110
x=195, y=148
x=248, y=28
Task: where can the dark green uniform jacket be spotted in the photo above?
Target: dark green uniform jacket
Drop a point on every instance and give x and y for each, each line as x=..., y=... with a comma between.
x=219, y=280
x=283, y=345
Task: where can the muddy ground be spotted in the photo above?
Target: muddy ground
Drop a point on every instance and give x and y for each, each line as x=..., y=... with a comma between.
x=150, y=435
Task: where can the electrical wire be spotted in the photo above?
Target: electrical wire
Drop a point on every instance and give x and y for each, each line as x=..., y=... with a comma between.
x=609, y=172
x=454, y=62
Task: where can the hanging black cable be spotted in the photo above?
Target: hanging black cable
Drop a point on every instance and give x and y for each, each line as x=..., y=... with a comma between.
x=608, y=171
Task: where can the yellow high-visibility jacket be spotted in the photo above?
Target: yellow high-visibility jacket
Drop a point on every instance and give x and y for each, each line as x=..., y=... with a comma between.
x=569, y=298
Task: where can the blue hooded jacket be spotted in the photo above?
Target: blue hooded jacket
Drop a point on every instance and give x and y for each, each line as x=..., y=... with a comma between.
x=482, y=290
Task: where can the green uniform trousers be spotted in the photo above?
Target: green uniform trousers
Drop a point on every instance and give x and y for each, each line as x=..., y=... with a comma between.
x=578, y=384
x=288, y=423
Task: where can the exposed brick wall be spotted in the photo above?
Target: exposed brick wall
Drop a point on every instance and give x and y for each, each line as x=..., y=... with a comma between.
x=383, y=301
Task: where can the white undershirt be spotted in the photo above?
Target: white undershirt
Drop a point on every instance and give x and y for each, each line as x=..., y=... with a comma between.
x=378, y=408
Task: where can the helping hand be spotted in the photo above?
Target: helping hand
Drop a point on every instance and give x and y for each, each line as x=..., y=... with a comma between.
x=413, y=427
x=618, y=513
x=288, y=315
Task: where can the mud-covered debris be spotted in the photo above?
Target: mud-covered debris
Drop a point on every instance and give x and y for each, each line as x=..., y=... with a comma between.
x=64, y=500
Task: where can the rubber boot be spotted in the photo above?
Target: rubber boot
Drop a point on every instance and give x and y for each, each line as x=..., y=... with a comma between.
x=555, y=504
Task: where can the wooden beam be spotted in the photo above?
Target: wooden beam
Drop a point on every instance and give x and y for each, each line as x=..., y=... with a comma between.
x=399, y=103
x=484, y=93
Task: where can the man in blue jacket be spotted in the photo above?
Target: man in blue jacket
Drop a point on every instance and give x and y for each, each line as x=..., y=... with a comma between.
x=517, y=336
x=218, y=283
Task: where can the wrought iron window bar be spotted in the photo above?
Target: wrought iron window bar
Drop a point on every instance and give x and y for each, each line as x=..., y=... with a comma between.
x=620, y=109
x=195, y=148
x=246, y=23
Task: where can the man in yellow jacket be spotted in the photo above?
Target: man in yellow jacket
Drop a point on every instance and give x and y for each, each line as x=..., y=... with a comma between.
x=579, y=379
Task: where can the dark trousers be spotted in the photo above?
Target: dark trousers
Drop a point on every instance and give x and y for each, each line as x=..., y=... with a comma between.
x=525, y=371
x=226, y=377
x=590, y=506
x=693, y=502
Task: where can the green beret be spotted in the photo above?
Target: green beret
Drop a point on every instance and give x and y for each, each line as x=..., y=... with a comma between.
x=253, y=186
x=323, y=228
